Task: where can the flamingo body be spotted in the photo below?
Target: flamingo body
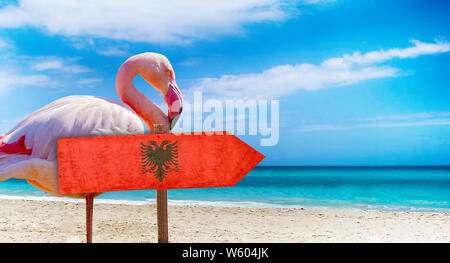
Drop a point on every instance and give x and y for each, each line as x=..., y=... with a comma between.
x=28, y=150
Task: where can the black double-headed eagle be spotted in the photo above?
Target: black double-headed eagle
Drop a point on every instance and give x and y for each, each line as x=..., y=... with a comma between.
x=159, y=160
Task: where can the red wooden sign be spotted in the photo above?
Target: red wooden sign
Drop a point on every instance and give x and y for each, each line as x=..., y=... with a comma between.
x=152, y=161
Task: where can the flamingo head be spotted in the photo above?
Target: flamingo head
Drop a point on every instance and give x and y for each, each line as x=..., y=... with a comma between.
x=174, y=101
x=158, y=71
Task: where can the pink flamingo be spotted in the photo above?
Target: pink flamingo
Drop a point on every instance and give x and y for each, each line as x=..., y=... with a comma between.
x=28, y=150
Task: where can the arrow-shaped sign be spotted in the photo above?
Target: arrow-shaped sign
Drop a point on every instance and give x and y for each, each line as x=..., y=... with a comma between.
x=152, y=161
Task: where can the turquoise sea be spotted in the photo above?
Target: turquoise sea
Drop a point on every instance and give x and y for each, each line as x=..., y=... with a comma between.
x=402, y=188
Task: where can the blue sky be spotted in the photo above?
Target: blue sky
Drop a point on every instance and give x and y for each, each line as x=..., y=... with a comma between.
x=359, y=82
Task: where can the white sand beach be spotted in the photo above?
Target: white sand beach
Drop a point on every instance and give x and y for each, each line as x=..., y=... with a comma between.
x=51, y=221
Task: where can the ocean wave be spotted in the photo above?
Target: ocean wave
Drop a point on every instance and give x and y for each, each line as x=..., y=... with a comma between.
x=151, y=201
x=403, y=208
x=231, y=204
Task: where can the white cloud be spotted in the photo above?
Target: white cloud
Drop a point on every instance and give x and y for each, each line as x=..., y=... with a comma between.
x=88, y=81
x=102, y=47
x=12, y=74
x=418, y=49
x=46, y=65
x=326, y=127
x=431, y=122
x=283, y=80
x=339, y=71
x=44, y=72
x=158, y=21
x=10, y=80
x=56, y=75
x=6, y=45
x=398, y=120
x=420, y=115
x=189, y=62
x=113, y=51
x=322, y=127
x=59, y=64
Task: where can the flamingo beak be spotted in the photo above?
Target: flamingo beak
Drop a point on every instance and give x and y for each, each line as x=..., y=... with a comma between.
x=174, y=101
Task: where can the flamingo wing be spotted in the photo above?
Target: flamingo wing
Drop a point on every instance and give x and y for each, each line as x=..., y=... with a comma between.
x=72, y=116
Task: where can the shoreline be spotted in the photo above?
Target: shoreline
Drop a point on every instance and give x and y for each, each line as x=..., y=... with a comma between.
x=50, y=221
x=229, y=204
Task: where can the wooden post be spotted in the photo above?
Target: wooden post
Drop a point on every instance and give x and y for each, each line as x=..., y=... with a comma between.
x=161, y=205
x=89, y=216
x=161, y=211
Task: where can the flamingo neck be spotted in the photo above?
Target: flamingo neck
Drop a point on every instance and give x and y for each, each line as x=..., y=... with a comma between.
x=144, y=107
